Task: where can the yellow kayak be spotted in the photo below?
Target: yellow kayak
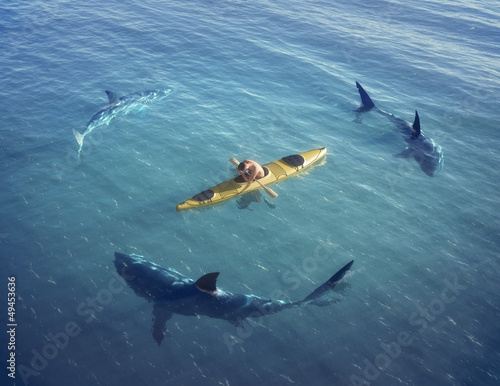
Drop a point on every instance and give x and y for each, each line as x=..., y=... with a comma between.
x=275, y=171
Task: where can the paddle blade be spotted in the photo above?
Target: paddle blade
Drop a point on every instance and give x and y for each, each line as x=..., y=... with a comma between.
x=271, y=192
x=234, y=161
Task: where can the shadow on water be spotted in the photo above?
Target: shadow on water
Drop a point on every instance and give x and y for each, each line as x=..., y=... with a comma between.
x=254, y=196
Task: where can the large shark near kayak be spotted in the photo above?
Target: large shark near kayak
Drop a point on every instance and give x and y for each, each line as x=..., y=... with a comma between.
x=428, y=154
x=171, y=292
x=119, y=106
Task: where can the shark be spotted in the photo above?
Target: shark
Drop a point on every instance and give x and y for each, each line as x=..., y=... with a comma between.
x=118, y=106
x=173, y=293
x=424, y=150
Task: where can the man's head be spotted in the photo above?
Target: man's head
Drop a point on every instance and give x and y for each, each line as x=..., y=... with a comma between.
x=242, y=166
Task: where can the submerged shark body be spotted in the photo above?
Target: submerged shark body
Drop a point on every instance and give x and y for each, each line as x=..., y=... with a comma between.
x=118, y=106
x=428, y=154
x=171, y=292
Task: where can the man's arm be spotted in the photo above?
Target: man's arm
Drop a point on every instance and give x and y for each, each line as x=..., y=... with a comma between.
x=245, y=176
x=253, y=172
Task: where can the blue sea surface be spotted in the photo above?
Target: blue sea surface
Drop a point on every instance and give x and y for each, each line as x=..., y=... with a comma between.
x=261, y=80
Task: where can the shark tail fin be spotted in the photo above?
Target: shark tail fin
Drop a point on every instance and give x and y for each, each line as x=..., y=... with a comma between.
x=366, y=102
x=78, y=136
x=416, y=126
x=329, y=284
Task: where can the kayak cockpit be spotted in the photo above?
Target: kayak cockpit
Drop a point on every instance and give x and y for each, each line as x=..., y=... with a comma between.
x=240, y=178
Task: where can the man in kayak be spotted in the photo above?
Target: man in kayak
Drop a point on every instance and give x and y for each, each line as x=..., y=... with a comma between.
x=250, y=170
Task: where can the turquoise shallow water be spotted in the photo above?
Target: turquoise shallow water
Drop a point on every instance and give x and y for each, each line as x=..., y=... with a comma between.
x=256, y=80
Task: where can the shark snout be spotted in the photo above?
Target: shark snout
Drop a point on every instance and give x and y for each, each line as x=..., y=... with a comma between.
x=123, y=264
x=121, y=256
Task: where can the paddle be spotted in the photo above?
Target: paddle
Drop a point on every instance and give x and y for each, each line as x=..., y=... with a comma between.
x=269, y=191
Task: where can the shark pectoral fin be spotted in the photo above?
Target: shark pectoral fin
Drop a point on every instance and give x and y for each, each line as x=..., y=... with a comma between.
x=112, y=97
x=415, y=129
x=161, y=315
x=207, y=283
x=406, y=153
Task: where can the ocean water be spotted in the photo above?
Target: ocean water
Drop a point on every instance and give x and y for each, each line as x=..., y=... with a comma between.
x=260, y=80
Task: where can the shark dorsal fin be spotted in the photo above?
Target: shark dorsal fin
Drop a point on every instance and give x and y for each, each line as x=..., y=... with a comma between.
x=113, y=98
x=416, y=126
x=207, y=283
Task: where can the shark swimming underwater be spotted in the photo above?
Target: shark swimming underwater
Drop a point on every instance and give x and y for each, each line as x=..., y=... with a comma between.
x=118, y=106
x=172, y=292
x=428, y=154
